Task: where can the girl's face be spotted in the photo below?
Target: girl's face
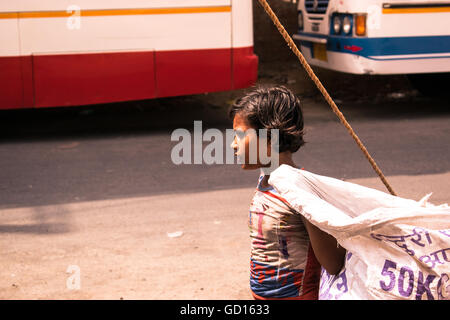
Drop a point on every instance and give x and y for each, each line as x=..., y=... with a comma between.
x=245, y=143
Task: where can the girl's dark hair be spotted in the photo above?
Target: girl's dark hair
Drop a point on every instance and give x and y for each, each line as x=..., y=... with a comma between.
x=273, y=108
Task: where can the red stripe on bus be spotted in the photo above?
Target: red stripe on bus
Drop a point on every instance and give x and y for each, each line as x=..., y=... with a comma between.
x=92, y=78
x=11, y=88
x=245, y=67
x=192, y=71
x=77, y=79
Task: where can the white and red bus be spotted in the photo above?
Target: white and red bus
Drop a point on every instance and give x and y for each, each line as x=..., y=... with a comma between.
x=78, y=52
x=409, y=37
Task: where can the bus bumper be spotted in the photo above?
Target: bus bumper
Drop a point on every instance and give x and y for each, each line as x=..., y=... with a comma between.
x=336, y=61
x=245, y=67
x=401, y=55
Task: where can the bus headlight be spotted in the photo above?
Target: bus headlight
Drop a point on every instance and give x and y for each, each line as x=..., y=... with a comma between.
x=347, y=25
x=337, y=24
x=300, y=20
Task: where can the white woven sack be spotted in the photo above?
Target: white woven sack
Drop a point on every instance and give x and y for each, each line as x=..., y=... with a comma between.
x=396, y=248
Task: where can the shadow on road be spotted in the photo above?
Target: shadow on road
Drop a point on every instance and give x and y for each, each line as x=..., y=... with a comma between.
x=165, y=115
x=40, y=220
x=136, y=117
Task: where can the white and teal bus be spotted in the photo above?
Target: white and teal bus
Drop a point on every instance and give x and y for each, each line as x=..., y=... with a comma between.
x=409, y=37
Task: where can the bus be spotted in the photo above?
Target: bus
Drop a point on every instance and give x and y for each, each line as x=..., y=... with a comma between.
x=410, y=37
x=70, y=53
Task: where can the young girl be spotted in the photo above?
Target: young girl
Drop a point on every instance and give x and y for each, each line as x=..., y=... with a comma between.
x=287, y=251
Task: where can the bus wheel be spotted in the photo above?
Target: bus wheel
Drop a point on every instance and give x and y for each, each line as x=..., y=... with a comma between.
x=431, y=84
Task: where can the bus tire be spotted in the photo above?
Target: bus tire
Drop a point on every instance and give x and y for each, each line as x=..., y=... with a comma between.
x=431, y=84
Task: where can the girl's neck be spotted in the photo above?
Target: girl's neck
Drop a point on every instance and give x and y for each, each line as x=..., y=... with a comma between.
x=285, y=158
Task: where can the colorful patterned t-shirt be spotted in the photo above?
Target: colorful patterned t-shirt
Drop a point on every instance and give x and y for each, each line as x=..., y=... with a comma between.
x=282, y=264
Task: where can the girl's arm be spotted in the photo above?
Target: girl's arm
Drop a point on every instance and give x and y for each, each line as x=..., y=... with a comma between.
x=326, y=249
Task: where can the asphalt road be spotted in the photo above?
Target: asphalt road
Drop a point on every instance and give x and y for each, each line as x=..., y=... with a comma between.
x=124, y=150
x=94, y=189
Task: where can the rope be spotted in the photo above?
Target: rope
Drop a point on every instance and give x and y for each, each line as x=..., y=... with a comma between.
x=324, y=92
